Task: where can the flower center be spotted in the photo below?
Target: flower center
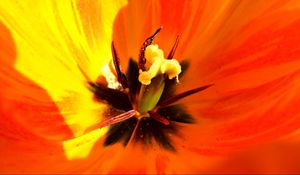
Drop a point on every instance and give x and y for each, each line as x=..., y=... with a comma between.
x=143, y=98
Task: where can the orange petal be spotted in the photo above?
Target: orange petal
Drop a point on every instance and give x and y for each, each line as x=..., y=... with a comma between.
x=278, y=157
x=36, y=113
x=139, y=19
x=256, y=79
x=248, y=50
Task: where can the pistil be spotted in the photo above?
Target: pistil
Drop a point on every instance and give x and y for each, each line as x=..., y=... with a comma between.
x=150, y=94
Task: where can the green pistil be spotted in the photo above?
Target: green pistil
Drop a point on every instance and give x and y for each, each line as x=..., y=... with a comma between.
x=150, y=94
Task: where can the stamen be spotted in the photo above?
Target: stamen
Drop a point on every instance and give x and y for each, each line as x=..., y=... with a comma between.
x=121, y=76
x=117, y=119
x=148, y=41
x=159, y=118
x=182, y=95
x=172, y=52
x=171, y=68
x=157, y=64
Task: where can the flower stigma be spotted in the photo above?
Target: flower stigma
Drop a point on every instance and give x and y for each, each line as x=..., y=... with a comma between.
x=142, y=104
x=157, y=65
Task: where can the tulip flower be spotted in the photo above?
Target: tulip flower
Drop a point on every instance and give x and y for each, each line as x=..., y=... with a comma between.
x=149, y=87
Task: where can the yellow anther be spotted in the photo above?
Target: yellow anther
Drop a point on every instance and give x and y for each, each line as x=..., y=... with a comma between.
x=170, y=67
x=157, y=64
x=153, y=52
x=145, y=78
x=155, y=68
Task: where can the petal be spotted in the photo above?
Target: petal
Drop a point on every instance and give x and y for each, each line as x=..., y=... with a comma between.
x=45, y=104
x=27, y=121
x=256, y=90
x=256, y=74
x=36, y=113
x=272, y=158
x=255, y=79
x=139, y=19
x=248, y=50
x=54, y=50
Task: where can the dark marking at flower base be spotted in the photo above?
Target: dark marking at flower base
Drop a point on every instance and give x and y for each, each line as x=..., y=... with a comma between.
x=132, y=75
x=120, y=132
x=149, y=130
x=113, y=97
x=176, y=113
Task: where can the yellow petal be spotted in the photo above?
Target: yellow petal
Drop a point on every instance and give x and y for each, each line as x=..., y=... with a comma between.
x=55, y=41
x=80, y=147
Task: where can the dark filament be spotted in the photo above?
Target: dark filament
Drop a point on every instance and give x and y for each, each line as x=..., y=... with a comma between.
x=117, y=119
x=121, y=76
x=177, y=97
x=148, y=41
x=159, y=118
x=172, y=52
